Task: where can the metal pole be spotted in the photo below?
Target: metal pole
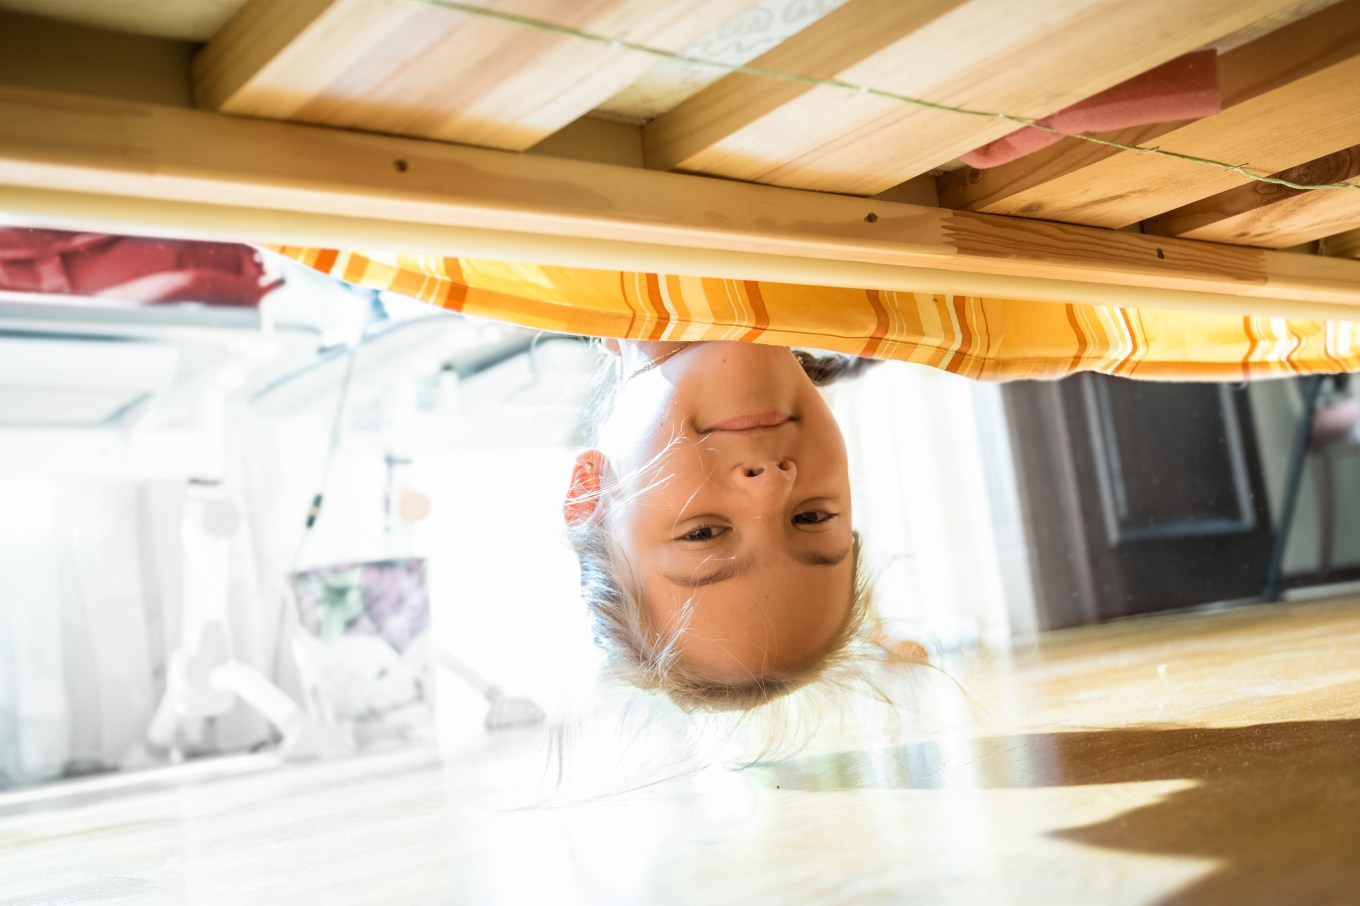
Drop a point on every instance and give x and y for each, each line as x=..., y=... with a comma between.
x=1312, y=385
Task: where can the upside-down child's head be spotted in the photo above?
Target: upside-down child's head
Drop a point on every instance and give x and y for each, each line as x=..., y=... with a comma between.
x=713, y=523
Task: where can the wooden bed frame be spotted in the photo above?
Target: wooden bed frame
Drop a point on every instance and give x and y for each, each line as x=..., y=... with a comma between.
x=401, y=124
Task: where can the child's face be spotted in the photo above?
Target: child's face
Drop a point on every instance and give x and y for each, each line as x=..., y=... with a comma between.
x=730, y=502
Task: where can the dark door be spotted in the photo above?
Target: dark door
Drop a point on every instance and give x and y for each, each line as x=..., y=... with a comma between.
x=1138, y=496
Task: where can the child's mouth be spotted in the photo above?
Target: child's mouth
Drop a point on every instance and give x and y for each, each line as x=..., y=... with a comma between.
x=753, y=422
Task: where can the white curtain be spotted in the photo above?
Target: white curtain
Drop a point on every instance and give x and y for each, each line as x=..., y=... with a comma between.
x=89, y=607
x=935, y=502
x=77, y=671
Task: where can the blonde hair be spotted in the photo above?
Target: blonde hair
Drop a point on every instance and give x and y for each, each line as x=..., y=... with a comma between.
x=647, y=659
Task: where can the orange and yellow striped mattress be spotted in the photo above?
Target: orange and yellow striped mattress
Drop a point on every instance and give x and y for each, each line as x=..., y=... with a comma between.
x=981, y=338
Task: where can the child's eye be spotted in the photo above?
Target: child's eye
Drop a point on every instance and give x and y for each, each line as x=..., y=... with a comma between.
x=703, y=533
x=812, y=517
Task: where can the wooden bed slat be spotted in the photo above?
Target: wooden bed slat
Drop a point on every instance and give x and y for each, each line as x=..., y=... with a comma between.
x=409, y=68
x=1028, y=59
x=1288, y=98
x=269, y=170
x=1272, y=216
x=1345, y=245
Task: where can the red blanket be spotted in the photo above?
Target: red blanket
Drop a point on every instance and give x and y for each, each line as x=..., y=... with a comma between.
x=129, y=267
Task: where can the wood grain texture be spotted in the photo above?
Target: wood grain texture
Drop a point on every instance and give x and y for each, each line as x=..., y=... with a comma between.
x=1288, y=98
x=1345, y=245
x=59, y=56
x=1027, y=59
x=1187, y=759
x=1272, y=216
x=408, y=68
x=1291, y=12
x=181, y=20
x=137, y=151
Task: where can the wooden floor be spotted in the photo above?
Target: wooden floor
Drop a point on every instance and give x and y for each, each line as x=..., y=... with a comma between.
x=1208, y=758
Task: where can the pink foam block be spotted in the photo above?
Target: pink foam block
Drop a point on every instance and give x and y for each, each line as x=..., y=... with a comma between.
x=1186, y=88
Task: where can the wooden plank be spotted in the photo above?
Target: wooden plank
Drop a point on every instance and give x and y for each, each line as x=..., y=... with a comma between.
x=1272, y=216
x=1344, y=245
x=1285, y=15
x=128, y=215
x=156, y=70
x=410, y=68
x=61, y=56
x=193, y=21
x=142, y=152
x=1028, y=59
x=601, y=141
x=1288, y=98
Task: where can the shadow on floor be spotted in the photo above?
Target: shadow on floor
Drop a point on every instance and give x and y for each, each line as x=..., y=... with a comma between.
x=1278, y=805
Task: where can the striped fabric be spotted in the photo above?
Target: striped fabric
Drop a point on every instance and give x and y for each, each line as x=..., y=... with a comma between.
x=982, y=338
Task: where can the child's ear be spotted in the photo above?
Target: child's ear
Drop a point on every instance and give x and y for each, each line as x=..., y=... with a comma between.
x=582, y=502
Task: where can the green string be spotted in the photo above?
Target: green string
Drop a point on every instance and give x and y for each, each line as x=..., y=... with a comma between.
x=625, y=44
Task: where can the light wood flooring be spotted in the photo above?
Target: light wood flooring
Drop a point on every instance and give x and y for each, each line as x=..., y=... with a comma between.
x=1206, y=758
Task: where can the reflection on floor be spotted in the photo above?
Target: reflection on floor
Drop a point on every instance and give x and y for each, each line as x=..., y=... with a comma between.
x=1209, y=758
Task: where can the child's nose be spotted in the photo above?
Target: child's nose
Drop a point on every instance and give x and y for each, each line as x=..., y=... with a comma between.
x=774, y=475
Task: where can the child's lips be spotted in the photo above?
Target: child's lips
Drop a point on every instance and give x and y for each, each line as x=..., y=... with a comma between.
x=756, y=421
